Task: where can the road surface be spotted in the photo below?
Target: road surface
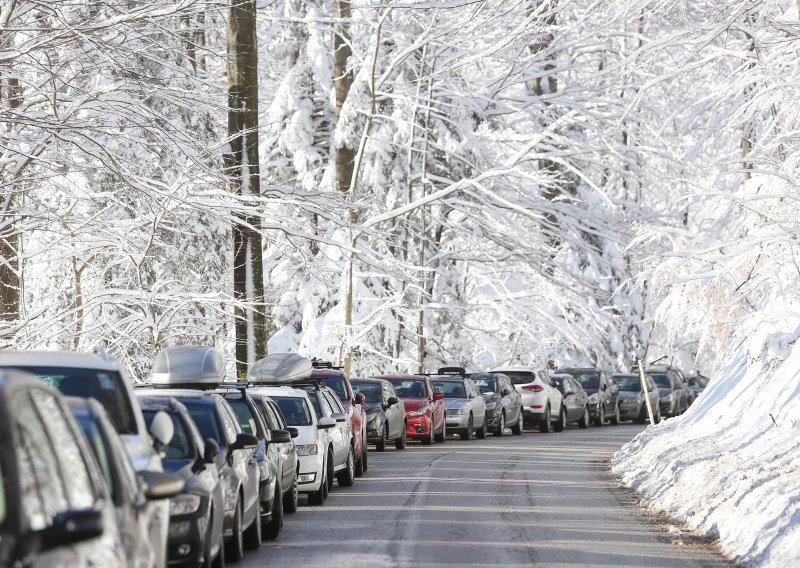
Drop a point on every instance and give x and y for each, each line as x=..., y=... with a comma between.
x=531, y=500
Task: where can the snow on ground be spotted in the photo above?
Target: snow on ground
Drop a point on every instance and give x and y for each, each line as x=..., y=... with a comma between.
x=728, y=467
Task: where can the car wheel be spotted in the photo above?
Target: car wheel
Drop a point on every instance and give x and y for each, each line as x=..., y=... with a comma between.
x=346, y=477
x=501, y=427
x=615, y=420
x=467, y=434
x=364, y=458
x=516, y=429
x=318, y=497
x=234, y=548
x=290, y=499
x=273, y=528
x=400, y=443
x=381, y=446
x=545, y=426
x=428, y=440
x=252, y=535
x=562, y=420
x=601, y=416
x=219, y=560
x=441, y=436
x=584, y=421
x=657, y=417
x=329, y=475
x=359, y=469
x=642, y=417
x=481, y=434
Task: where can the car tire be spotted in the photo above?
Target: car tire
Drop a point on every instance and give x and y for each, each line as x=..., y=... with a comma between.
x=601, y=416
x=501, y=427
x=642, y=417
x=562, y=420
x=252, y=534
x=364, y=456
x=481, y=434
x=329, y=475
x=441, y=436
x=318, y=497
x=401, y=442
x=467, y=434
x=546, y=426
x=585, y=420
x=272, y=529
x=234, y=548
x=359, y=468
x=381, y=446
x=615, y=420
x=657, y=416
x=219, y=559
x=428, y=440
x=290, y=499
x=346, y=477
x=516, y=429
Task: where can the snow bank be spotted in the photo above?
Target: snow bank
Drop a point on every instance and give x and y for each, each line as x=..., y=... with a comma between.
x=728, y=467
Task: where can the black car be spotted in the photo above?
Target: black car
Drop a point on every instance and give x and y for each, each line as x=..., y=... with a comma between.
x=268, y=456
x=287, y=456
x=42, y=453
x=235, y=461
x=503, y=403
x=676, y=395
x=124, y=485
x=386, y=417
x=197, y=514
x=697, y=382
x=576, y=400
x=603, y=402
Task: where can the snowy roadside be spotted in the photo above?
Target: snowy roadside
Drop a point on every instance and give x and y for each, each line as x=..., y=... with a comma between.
x=728, y=467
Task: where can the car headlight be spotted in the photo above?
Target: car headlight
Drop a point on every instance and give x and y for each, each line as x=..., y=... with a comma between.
x=306, y=449
x=456, y=411
x=668, y=398
x=593, y=398
x=637, y=400
x=184, y=504
x=420, y=412
x=490, y=406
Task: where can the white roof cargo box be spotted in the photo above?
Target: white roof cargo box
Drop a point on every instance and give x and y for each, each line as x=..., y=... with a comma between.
x=188, y=365
x=280, y=368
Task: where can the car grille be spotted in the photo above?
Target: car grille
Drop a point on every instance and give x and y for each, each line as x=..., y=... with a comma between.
x=453, y=412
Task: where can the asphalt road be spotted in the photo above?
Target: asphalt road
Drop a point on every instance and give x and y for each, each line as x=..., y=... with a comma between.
x=530, y=500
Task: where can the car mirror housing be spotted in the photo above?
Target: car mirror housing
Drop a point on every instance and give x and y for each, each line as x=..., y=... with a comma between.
x=326, y=422
x=160, y=485
x=281, y=436
x=391, y=401
x=244, y=442
x=210, y=450
x=162, y=429
x=360, y=398
x=438, y=396
x=70, y=527
x=293, y=432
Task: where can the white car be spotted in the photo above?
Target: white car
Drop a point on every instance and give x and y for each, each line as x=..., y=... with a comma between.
x=542, y=402
x=89, y=375
x=313, y=443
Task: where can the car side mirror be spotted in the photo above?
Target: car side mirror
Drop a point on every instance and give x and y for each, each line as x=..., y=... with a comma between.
x=360, y=398
x=391, y=401
x=281, y=436
x=604, y=387
x=293, y=432
x=210, y=450
x=339, y=417
x=160, y=485
x=161, y=429
x=326, y=422
x=70, y=527
x=244, y=441
x=438, y=396
x=569, y=392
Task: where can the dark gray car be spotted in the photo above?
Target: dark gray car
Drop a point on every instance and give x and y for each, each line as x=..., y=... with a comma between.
x=676, y=396
x=576, y=400
x=386, y=413
x=603, y=403
x=503, y=403
x=632, y=403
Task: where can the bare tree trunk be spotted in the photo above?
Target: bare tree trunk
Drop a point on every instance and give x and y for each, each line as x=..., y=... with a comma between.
x=10, y=241
x=242, y=169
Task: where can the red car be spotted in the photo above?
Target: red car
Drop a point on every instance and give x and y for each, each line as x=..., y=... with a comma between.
x=353, y=404
x=424, y=407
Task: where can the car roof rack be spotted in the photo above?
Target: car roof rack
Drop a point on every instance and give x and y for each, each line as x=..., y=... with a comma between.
x=444, y=371
x=316, y=383
x=321, y=364
x=240, y=386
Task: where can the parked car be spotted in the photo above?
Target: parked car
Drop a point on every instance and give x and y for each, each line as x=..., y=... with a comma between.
x=197, y=515
x=287, y=470
x=542, y=402
x=603, y=402
x=466, y=408
x=697, y=382
x=576, y=401
x=425, y=408
x=42, y=453
x=267, y=455
x=336, y=380
x=312, y=444
x=182, y=372
x=676, y=396
x=632, y=403
x=94, y=375
x=386, y=413
x=503, y=403
x=326, y=405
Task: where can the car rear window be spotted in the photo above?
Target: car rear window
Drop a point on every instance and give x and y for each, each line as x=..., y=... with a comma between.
x=107, y=387
x=520, y=377
x=372, y=391
x=294, y=409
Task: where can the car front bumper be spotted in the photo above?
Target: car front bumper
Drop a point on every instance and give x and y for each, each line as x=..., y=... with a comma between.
x=457, y=421
x=629, y=409
x=309, y=473
x=418, y=426
x=186, y=538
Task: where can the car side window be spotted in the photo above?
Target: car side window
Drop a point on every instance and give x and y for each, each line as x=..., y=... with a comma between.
x=228, y=422
x=269, y=414
x=129, y=480
x=325, y=406
x=280, y=424
x=334, y=402
x=385, y=392
x=391, y=390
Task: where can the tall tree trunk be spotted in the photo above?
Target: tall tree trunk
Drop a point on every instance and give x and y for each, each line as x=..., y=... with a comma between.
x=242, y=169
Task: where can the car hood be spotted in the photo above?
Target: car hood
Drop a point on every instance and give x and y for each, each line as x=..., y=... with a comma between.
x=455, y=402
x=665, y=392
x=628, y=394
x=415, y=403
x=591, y=391
x=372, y=407
x=494, y=397
x=306, y=435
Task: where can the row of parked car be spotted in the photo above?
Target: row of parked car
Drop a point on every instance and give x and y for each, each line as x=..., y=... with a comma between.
x=192, y=469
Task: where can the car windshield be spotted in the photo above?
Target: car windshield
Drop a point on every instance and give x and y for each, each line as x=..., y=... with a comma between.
x=205, y=418
x=520, y=377
x=294, y=409
x=92, y=432
x=451, y=389
x=589, y=381
x=662, y=380
x=628, y=383
x=409, y=388
x=244, y=415
x=485, y=384
x=338, y=385
x=180, y=447
x=372, y=391
x=106, y=387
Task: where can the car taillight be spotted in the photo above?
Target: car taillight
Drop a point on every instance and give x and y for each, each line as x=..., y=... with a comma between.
x=534, y=388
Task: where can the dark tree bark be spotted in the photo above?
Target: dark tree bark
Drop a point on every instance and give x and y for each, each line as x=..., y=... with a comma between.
x=10, y=242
